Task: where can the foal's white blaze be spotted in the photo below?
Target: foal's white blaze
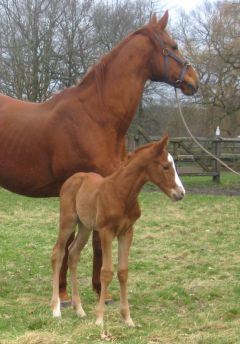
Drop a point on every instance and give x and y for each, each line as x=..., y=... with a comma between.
x=177, y=179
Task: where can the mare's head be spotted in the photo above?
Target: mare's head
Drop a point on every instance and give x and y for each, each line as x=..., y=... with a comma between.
x=162, y=172
x=167, y=63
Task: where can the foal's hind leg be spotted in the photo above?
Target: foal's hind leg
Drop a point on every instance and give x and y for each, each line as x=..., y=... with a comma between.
x=68, y=220
x=74, y=255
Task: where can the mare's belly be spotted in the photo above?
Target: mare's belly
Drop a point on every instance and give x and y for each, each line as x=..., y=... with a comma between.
x=27, y=181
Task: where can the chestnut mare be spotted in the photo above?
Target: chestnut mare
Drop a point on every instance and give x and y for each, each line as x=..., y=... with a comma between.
x=109, y=206
x=83, y=127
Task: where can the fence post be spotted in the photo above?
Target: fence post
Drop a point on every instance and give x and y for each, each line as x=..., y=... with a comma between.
x=217, y=152
x=136, y=141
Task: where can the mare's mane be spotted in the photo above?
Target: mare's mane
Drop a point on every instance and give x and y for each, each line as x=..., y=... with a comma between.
x=98, y=70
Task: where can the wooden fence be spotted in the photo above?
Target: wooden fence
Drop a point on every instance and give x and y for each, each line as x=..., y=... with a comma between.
x=189, y=158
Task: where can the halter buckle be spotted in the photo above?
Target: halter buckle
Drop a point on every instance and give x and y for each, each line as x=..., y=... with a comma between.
x=178, y=83
x=165, y=51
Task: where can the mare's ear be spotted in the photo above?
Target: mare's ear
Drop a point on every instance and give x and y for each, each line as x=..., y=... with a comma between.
x=163, y=21
x=153, y=19
x=161, y=145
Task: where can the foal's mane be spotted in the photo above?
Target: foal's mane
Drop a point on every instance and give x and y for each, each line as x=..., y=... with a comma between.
x=131, y=156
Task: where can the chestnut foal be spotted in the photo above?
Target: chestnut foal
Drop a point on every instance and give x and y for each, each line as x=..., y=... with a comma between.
x=109, y=205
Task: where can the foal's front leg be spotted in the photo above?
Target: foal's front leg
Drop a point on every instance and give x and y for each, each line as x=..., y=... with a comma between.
x=124, y=243
x=106, y=275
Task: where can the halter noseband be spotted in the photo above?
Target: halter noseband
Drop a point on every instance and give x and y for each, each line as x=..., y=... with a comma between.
x=168, y=53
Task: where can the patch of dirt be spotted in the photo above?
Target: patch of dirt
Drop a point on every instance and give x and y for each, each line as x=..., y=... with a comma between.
x=214, y=190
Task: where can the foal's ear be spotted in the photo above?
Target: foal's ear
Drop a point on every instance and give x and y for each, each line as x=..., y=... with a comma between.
x=162, y=144
x=163, y=21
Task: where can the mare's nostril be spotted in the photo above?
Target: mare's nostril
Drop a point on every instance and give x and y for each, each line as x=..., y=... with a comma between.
x=193, y=88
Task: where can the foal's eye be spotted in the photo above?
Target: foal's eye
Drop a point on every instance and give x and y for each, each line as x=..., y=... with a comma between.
x=175, y=47
x=166, y=167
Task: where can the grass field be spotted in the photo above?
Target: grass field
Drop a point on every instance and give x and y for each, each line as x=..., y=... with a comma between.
x=184, y=280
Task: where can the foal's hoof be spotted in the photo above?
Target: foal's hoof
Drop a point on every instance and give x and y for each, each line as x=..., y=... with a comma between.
x=57, y=313
x=99, y=322
x=129, y=322
x=66, y=303
x=79, y=311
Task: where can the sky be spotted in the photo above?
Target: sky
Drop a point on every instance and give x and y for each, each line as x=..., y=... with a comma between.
x=173, y=5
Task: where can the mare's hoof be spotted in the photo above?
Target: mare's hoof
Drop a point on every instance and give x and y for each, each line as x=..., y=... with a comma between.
x=108, y=298
x=66, y=303
x=108, y=302
x=64, y=298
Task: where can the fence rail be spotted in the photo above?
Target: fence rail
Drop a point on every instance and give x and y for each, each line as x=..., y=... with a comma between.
x=190, y=160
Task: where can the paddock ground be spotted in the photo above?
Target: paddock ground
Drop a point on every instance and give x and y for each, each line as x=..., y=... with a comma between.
x=184, y=279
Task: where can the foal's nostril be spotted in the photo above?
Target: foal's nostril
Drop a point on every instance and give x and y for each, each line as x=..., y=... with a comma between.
x=178, y=194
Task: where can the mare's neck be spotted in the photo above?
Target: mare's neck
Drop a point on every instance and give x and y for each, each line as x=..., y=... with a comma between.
x=125, y=76
x=128, y=180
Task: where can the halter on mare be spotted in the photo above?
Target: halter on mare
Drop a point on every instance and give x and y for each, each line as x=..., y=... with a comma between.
x=168, y=53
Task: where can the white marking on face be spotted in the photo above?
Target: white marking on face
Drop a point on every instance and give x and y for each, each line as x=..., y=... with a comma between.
x=177, y=179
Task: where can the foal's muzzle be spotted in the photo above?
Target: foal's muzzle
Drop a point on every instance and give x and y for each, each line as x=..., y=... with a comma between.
x=177, y=194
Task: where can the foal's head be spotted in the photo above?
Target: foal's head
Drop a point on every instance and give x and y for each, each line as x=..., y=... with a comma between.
x=162, y=172
x=167, y=63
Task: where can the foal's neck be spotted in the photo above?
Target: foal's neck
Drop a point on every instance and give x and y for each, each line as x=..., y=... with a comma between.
x=129, y=179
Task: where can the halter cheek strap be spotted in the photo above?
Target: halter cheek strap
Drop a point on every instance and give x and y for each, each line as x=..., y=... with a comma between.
x=166, y=55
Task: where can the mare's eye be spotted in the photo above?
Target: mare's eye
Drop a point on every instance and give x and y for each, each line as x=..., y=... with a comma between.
x=175, y=47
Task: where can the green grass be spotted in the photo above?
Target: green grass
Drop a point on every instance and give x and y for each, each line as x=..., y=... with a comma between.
x=184, y=279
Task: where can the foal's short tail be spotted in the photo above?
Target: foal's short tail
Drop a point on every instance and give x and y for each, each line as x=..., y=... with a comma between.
x=68, y=213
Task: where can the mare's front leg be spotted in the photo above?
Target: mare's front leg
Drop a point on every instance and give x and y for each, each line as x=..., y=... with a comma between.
x=106, y=236
x=124, y=243
x=97, y=262
x=65, y=299
x=74, y=255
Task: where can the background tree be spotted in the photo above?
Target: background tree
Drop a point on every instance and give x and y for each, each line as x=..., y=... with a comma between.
x=46, y=45
x=28, y=59
x=77, y=47
x=211, y=37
